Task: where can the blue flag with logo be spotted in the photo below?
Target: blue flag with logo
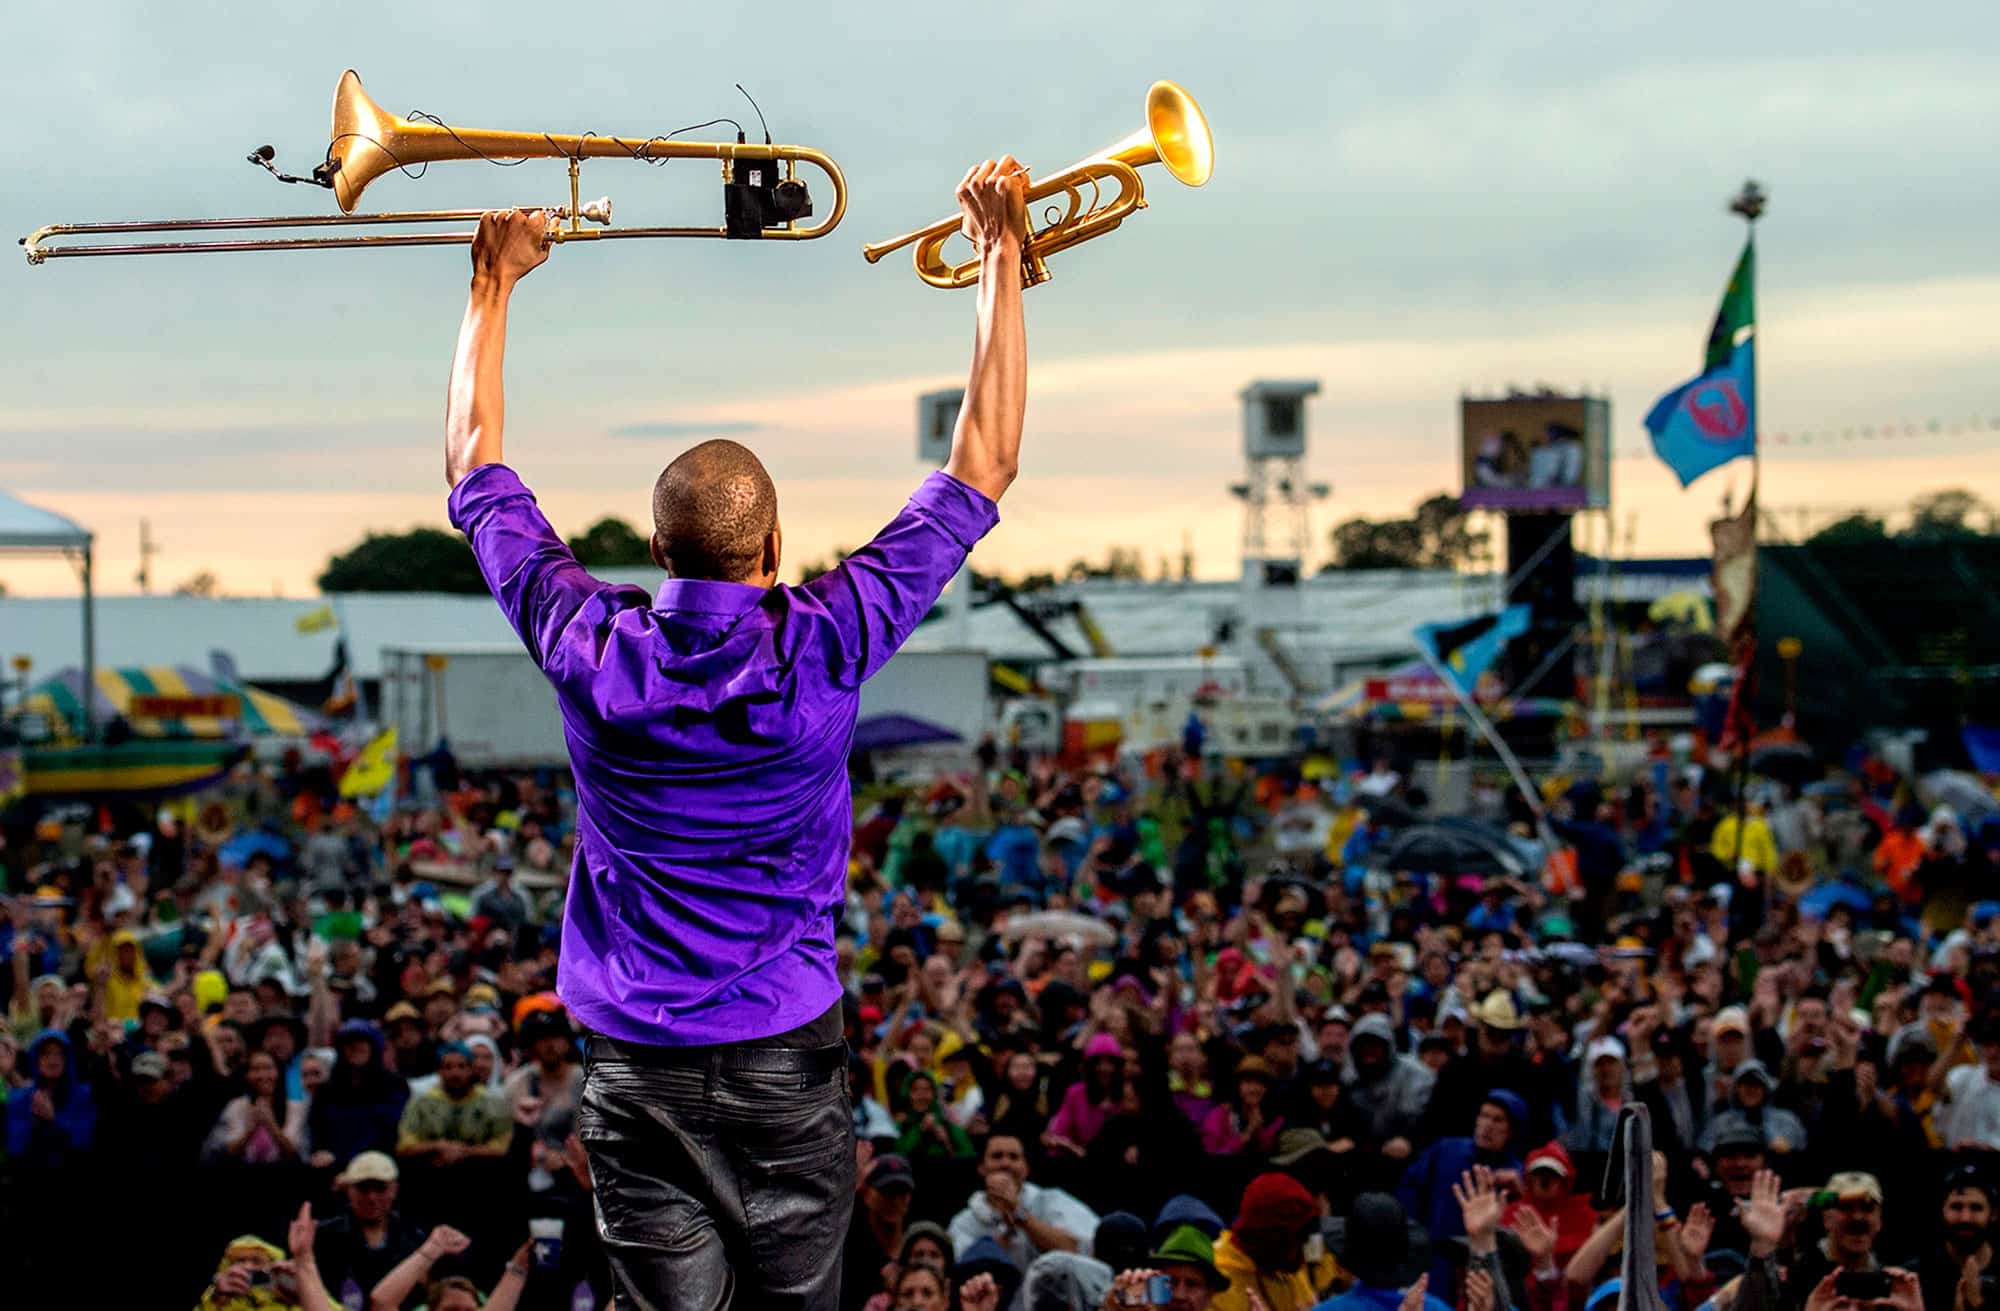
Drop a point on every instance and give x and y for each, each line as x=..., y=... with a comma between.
x=1706, y=423
x=1467, y=648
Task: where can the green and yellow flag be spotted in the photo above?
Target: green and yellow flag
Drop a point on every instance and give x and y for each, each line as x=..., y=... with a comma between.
x=373, y=768
x=313, y=621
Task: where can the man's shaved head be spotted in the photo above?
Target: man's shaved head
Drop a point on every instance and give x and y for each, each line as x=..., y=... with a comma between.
x=714, y=509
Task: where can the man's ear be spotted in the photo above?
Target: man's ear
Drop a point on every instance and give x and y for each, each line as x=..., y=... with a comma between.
x=658, y=552
x=774, y=550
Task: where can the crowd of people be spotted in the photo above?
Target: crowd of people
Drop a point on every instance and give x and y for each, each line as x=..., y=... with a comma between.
x=1107, y=1049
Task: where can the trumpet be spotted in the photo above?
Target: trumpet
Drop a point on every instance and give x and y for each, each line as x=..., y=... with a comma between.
x=1176, y=134
x=763, y=198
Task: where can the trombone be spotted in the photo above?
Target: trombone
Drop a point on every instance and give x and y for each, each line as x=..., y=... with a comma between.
x=1176, y=134
x=763, y=198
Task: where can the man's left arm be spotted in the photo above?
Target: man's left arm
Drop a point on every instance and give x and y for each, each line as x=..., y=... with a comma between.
x=1067, y=1227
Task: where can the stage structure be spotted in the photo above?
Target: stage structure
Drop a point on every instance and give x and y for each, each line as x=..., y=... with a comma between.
x=1277, y=531
x=937, y=418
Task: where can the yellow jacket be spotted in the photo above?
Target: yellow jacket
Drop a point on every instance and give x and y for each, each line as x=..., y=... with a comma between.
x=1300, y=1290
x=1759, y=848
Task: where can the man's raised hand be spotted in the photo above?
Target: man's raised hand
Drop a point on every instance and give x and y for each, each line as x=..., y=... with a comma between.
x=993, y=202
x=509, y=245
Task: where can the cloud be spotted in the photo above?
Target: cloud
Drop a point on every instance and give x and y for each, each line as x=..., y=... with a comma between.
x=689, y=428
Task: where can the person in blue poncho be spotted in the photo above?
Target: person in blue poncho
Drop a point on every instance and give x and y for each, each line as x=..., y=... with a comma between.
x=51, y=1122
x=1426, y=1189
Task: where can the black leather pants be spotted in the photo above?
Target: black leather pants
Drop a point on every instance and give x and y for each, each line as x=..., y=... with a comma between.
x=723, y=1176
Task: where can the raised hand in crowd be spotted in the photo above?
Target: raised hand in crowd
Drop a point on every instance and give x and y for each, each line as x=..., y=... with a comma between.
x=1762, y=1215
x=1480, y=1204
x=979, y=1293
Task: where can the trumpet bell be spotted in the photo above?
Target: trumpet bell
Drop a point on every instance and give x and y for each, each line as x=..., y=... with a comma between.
x=1180, y=136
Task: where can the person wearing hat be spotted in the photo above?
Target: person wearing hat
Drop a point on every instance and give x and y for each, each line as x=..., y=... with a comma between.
x=1549, y=1189
x=1374, y=1245
x=370, y=1237
x=1264, y=1254
x=411, y=1051
x=1426, y=1191
x=1751, y=1086
x=1599, y=1100
x=1851, y=1213
x=119, y=975
x=1246, y=1121
x=549, y=1081
x=875, y=1228
x=1495, y=1059
x=1729, y=1047
x=1186, y=1256
x=497, y=899
x=458, y=1121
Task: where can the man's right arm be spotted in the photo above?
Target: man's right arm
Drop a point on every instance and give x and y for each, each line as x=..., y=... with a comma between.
x=986, y=446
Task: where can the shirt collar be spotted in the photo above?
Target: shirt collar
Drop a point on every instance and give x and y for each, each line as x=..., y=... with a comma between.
x=707, y=596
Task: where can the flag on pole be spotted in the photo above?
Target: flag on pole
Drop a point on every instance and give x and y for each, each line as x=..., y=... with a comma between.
x=373, y=768
x=1711, y=419
x=1466, y=649
x=1734, y=578
x=313, y=621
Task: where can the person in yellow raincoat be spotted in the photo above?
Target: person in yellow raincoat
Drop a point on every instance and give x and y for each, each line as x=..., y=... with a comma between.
x=253, y=1275
x=1273, y=1252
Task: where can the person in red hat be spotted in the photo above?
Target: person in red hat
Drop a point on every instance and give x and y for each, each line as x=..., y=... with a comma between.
x=1549, y=1187
x=1267, y=1253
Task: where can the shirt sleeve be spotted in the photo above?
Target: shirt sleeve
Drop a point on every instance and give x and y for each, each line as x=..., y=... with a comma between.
x=529, y=570
x=877, y=596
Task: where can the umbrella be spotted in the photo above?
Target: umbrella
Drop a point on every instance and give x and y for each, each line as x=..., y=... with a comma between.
x=1788, y=762
x=1817, y=900
x=1962, y=792
x=1442, y=849
x=236, y=851
x=1276, y=888
x=890, y=732
x=1389, y=812
x=1060, y=924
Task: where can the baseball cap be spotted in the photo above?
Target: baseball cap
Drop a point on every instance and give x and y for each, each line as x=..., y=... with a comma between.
x=890, y=1173
x=149, y=1065
x=368, y=1167
x=1732, y=1019
x=1855, y=1186
x=1602, y=1048
x=402, y=1010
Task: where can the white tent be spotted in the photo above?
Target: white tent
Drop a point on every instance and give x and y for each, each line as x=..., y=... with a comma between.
x=30, y=530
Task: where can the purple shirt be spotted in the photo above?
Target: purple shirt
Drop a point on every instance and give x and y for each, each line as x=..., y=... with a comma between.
x=708, y=727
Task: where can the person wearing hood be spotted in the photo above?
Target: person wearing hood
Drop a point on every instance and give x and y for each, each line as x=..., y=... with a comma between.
x=1426, y=1191
x=1389, y=1090
x=359, y=1106
x=254, y=1275
x=1548, y=1188
x=1750, y=1101
x=1265, y=1253
x=121, y=977
x=1065, y=1281
x=51, y=1122
x=1091, y=1100
x=925, y=1132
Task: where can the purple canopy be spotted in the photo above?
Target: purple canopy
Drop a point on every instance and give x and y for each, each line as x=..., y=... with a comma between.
x=889, y=732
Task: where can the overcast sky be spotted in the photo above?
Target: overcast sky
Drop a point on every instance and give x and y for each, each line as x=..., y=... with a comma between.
x=1409, y=201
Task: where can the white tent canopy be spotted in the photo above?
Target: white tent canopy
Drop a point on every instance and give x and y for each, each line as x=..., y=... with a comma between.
x=30, y=529
x=25, y=527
